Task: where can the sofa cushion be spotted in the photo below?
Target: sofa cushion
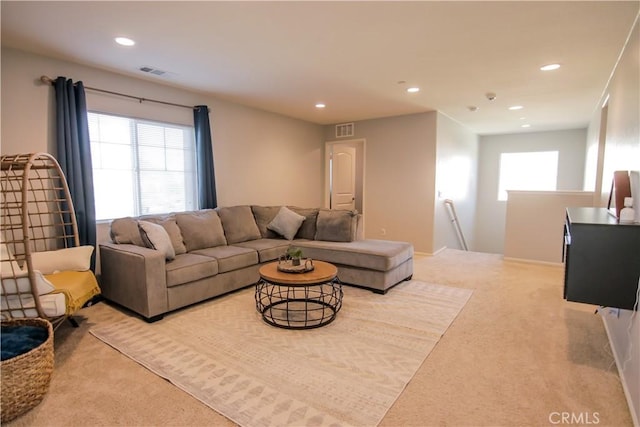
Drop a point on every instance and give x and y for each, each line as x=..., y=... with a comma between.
x=171, y=226
x=201, y=229
x=263, y=216
x=230, y=257
x=239, y=224
x=77, y=258
x=380, y=255
x=336, y=225
x=308, y=228
x=15, y=280
x=8, y=264
x=268, y=249
x=156, y=237
x=18, y=281
x=53, y=305
x=125, y=230
x=286, y=223
x=186, y=268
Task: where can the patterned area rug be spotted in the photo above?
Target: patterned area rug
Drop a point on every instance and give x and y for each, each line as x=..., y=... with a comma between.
x=349, y=372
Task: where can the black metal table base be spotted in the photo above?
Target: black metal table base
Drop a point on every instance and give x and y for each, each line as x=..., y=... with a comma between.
x=299, y=306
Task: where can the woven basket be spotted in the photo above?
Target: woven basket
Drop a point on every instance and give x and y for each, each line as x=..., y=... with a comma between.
x=26, y=377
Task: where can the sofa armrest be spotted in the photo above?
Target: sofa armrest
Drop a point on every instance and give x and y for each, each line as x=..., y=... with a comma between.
x=134, y=277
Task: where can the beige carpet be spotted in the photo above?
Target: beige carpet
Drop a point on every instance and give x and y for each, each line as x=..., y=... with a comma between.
x=349, y=372
x=516, y=354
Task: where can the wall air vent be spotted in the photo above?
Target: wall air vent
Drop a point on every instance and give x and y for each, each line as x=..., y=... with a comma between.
x=152, y=71
x=344, y=130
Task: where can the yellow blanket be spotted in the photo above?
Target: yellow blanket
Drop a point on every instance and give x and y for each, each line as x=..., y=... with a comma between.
x=77, y=286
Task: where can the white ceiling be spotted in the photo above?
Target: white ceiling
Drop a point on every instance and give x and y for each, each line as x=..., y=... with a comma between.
x=286, y=56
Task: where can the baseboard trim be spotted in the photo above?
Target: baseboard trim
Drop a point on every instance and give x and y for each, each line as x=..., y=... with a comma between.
x=623, y=379
x=419, y=253
x=422, y=253
x=533, y=261
x=438, y=251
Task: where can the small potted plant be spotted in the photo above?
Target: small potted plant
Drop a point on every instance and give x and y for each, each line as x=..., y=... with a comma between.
x=294, y=254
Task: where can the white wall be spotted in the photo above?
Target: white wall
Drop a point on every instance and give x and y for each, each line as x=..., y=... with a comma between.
x=622, y=152
x=535, y=223
x=622, y=147
x=399, y=177
x=491, y=213
x=408, y=160
x=594, y=156
x=456, y=177
x=260, y=157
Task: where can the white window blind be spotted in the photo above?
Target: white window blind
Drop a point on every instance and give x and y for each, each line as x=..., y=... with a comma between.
x=141, y=167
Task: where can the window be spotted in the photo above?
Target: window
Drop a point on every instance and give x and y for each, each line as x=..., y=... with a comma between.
x=141, y=167
x=528, y=171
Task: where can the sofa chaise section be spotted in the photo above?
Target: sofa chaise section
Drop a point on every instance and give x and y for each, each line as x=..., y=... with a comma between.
x=373, y=264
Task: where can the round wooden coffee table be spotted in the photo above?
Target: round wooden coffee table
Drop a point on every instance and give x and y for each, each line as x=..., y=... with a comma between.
x=299, y=300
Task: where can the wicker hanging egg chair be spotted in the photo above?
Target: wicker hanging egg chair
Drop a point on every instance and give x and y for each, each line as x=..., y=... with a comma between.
x=45, y=272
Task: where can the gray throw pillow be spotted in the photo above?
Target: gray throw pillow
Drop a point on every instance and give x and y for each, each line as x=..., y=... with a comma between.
x=156, y=237
x=201, y=229
x=336, y=225
x=239, y=224
x=125, y=230
x=264, y=215
x=286, y=223
x=308, y=228
x=173, y=230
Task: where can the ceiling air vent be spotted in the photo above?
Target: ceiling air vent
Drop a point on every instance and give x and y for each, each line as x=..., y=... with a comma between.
x=344, y=130
x=152, y=71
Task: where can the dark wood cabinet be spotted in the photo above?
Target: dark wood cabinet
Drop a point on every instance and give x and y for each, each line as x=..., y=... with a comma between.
x=602, y=259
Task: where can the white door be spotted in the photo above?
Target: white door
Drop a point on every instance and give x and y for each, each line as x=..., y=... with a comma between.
x=343, y=177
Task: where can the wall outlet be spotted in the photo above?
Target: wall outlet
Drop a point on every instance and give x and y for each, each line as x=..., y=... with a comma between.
x=615, y=312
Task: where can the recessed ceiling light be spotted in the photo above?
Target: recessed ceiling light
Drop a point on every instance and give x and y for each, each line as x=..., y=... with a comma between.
x=516, y=107
x=320, y=105
x=124, y=41
x=550, y=67
x=526, y=125
x=413, y=89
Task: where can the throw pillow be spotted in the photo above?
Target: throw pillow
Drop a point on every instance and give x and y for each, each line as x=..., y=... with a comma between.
x=15, y=279
x=9, y=266
x=286, y=223
x=20, y=284
x=201, y=229
x=336, y=225
x=67, y=259
x=125, y=230
x=239, y=224
x=264, y=215
x=173, y=230
x=156, y=237
x=43, y=285
x=308, y=228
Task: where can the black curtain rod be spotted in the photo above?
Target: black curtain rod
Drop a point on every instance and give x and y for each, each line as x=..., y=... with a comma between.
x=49, y=80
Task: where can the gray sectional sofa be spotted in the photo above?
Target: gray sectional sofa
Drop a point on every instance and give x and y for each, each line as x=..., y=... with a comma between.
x=159, y=263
